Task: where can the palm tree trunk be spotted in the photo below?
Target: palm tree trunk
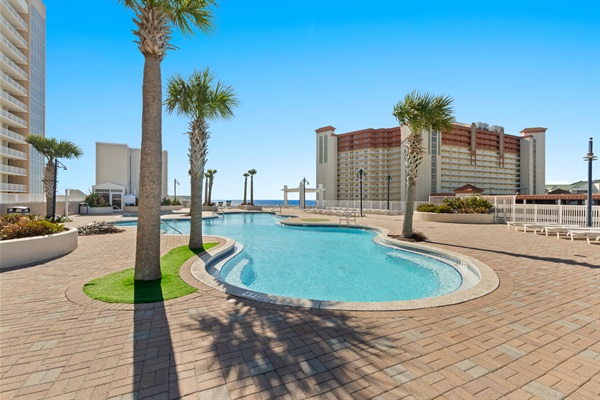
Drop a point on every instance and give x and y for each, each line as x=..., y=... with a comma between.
x=210, y=185
x=245, y=189
x=407, y=225
x=147, y=256
x=48, y=182
x=251, y=190
x=198, y=146
x=206, y=192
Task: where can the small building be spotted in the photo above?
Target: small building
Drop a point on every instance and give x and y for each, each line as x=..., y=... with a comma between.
x=118, y=172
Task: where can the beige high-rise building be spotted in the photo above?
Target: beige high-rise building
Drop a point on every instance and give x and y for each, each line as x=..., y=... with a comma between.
x=118, y=172
x=23, y=87
x=475, y=154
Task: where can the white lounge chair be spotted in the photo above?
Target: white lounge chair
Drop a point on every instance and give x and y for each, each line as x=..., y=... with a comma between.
x=591, y=233
x=558, y=229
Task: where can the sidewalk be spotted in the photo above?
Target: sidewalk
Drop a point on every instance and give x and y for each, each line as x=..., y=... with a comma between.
x=537, y=336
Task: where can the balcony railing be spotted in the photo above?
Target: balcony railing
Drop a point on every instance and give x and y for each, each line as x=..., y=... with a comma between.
x=14, y=14
x=19, y=104
x=14, y=66
x=14, y=48
x=9, y=169
x=13, y=135
x=9, y=198
x=7, y=151
x=12, y=187
x=12, y=30
x=14, y=118
x=13, y=83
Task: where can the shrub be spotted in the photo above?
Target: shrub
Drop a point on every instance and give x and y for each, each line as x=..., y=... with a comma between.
x=24, y=226
x=468, y=205
x=98, y=228
x=427, y=207
x=176, y=203
x=96, y=200
x=166, y=202
x=444, y=209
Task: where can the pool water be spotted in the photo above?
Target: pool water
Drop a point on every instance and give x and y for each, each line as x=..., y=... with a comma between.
x=323, y=263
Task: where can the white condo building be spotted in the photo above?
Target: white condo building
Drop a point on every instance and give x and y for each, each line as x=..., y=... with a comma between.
x=475, y=154
x=118, y=172
x=22, y=96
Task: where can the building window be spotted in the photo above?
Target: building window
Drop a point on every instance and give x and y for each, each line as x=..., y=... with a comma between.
x=320, y=149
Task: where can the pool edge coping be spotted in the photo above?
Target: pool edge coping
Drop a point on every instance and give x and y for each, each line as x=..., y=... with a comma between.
x=487, y=284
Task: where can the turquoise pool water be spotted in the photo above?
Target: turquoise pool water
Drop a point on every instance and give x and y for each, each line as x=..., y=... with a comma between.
x=323, y=263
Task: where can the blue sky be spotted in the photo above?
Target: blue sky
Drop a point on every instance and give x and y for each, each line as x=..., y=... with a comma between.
x=298, y=65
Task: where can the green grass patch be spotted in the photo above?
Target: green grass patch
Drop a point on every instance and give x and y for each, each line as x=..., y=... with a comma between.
x=120, y=287
x=315, y=219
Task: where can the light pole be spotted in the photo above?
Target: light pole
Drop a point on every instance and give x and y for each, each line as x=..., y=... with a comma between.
x=590, y=158
x=56, y=163
x=303, y=182
x=175, y=183
x=360, y=176
x=388, y=179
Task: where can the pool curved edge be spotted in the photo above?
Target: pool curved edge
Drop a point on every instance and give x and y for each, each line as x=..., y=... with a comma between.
x=207, y=270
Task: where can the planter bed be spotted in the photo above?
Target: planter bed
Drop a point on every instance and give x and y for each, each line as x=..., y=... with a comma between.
x=37, y=249
x=455, y=218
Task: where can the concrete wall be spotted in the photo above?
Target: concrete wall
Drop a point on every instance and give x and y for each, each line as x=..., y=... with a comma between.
x=37, y=249
x=40, y=208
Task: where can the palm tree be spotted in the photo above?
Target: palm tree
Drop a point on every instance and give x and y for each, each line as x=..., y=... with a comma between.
x=211, y=178
x=200, y=99
x=252, y=172
x=52, y=149
x=246, y=175
x=420, y=112
x=155, y=20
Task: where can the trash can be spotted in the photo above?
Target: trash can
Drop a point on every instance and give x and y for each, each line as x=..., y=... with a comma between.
x=84, y=208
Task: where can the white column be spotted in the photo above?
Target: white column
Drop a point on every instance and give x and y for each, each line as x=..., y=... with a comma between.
x=285, y=195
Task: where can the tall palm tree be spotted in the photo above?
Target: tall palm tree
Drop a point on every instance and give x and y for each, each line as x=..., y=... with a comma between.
x=52, y=149
x=420, y=112
x=200, y=99
x=211, y=179
x=252, y=172
x=155, y=20
x=246, y=175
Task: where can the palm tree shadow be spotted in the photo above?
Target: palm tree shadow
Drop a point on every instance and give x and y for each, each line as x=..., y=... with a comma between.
x=154, y=365
x=530, y=256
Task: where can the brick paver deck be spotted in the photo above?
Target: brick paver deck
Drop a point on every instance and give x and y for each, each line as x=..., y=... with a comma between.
x=537, y=336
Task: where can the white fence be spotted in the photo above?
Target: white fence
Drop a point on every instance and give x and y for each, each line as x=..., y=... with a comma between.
x=549, y=214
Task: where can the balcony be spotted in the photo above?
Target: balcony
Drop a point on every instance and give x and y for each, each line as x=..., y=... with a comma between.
x=10, y=170
x=12, y=15
x=11, y=102
x=11, y=136
x=10, y=85
x=9, y=48
x=11, y=33
x=12, y=153
x=11, y=67
x=10, y=119
x=12, y=187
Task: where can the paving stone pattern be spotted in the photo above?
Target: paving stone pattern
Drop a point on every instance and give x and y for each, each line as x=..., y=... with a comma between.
x=536, y=336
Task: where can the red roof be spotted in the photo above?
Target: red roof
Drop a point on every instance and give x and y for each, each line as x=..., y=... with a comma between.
x=468, y=188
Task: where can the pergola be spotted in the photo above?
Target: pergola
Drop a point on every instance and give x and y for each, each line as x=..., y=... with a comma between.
x=303, y=190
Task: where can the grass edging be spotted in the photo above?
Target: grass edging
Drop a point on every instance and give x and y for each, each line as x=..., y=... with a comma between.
x=120, y=287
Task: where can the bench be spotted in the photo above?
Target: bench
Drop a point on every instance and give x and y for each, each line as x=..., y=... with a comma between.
x=18, y=210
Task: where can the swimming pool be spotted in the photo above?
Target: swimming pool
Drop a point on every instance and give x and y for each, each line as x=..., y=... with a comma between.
x=323, y=263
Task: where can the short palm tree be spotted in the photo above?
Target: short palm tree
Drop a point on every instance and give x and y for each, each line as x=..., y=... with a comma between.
x=155, y=20
x=211, y=179
x=252, y=172
x=200, y=99
x=52, y=149
x=420, y=112
x=246, y=175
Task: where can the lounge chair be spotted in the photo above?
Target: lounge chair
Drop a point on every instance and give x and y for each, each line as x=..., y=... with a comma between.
x=228, y=204
x=591, y=233
x=558, y=229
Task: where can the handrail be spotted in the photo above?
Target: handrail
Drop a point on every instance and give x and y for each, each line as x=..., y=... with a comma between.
x=123, y=211
x=175, y=229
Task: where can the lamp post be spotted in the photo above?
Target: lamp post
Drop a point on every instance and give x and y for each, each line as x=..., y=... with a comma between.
x=303, y=182
x=175, y=183
x=360, y=176
x=388, y=179
x=590, y=158
x=56, y=163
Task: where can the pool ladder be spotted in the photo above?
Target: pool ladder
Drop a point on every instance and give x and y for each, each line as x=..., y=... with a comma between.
x=348, y=215
x=175, y=229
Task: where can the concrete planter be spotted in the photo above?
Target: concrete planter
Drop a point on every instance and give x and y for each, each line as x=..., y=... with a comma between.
x=101, y=210
x=37, y=249
x=455, y=218
x=250, y=208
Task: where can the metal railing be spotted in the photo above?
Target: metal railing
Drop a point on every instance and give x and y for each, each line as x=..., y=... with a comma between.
x=13, y=135
x=9, y=169
x=12, y=152
x=14, y=48
x=14, y=13
x=12, y=30
x=14, y=66
x=12, y=187
x=14, y=83
x=13, y=118
x=548, y=214
x=13, y=100
x=14, y=198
